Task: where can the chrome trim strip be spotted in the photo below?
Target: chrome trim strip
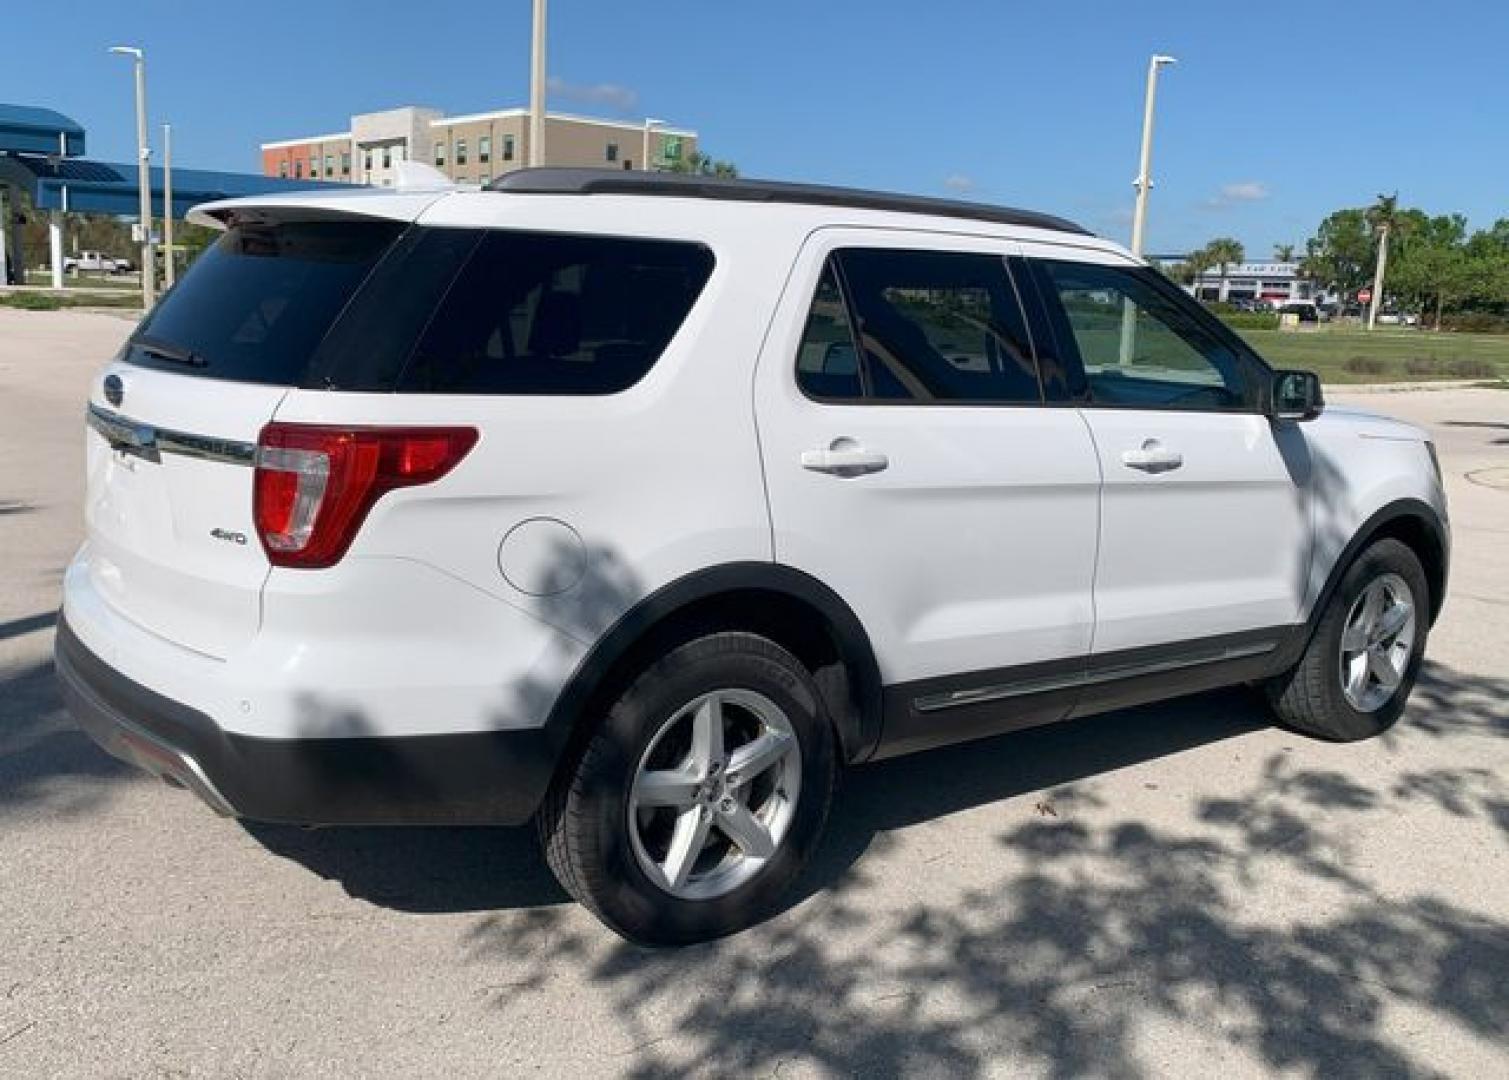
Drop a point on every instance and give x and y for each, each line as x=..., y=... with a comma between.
x=1002, y=691
x=148, y=442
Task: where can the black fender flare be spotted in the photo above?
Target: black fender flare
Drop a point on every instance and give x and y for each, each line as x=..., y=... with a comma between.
x=858, y=727
x=1417, y=512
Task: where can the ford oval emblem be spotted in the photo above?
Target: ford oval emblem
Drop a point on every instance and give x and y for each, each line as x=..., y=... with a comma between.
x=115, y=390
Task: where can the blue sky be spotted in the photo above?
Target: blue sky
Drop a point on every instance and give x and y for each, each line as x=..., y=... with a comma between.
x=1263, y=127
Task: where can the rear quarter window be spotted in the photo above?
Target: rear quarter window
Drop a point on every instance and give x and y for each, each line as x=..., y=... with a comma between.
x=546, y=313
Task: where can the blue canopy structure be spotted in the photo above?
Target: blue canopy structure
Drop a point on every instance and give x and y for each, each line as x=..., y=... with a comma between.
x=105, y=187
x=28, y=129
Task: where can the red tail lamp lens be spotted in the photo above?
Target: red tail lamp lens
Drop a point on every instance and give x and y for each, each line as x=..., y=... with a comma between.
x=315, y=484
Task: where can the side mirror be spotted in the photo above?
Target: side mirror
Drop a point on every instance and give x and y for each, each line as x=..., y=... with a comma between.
x=1295, y=396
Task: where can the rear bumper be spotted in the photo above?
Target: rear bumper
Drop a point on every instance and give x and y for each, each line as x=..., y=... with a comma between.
x=484, y=777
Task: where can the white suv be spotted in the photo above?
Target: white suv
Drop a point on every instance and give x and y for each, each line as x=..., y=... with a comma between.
x=641, y=505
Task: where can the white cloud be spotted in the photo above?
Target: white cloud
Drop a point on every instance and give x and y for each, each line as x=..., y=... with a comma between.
x=959, y=182
x=1243, y=191
x=602, y=95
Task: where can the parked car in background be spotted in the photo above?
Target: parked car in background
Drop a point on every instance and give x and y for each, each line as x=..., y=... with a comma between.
x=1307, y=311
x=642, y=505
x=95, y=262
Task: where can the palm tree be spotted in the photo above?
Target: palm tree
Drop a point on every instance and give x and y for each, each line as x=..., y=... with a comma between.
x=1222, y=252
x=1284, y=253
x=1383, y=216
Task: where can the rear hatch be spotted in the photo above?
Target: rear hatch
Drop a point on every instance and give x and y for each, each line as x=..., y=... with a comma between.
x=174, y=420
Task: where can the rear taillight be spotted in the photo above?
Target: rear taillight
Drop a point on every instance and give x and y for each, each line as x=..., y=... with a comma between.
x=315, y=484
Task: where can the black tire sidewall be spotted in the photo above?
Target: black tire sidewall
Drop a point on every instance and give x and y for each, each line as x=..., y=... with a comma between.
x=1387, y=556
x=623, y=894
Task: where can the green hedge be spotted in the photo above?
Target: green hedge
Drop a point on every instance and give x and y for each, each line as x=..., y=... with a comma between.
x=1250, y=320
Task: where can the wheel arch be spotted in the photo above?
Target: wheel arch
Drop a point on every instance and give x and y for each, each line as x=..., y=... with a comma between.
x=1415, y=524
x=792, y=608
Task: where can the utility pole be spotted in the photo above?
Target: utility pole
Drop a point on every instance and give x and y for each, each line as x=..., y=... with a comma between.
x=649, y=124
x=143, y=175
x=169, y=271
x=1144, y=179
x=537, y=88
x=1377, y=298
x=1142, y=183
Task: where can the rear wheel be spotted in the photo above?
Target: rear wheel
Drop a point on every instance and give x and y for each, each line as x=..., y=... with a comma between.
x=1357, y=672
x=700, y=797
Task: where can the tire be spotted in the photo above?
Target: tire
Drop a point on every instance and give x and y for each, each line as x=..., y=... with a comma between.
x=618, y=851
x=1314, y=696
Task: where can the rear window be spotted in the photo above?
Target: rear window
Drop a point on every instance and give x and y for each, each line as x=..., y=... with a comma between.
x=545, y=313
x=353, y=305
x=257, y=304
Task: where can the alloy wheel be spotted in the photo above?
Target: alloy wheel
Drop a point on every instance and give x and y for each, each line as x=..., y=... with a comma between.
x=714, y=794
x=1376, y=642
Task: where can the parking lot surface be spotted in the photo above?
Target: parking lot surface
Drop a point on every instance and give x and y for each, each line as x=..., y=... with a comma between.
x=1175, y=890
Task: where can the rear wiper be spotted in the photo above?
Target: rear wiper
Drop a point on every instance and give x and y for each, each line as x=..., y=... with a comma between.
x=161, y=350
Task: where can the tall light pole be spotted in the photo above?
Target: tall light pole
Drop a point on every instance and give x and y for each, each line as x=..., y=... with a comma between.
x=143, y=173
x=169, y=272
x=1144, y=179
x=537, y=88
x=644, y=158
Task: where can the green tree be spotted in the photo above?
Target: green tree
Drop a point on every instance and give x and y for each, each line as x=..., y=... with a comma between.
x=1340, y=254
x=1283, y=252
x=1222, y=252
x=697, y=163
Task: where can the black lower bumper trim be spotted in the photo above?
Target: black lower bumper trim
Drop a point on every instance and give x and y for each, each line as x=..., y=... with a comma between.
x=481, y=778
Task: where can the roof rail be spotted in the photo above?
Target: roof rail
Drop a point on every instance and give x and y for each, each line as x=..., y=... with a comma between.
x=565, y=181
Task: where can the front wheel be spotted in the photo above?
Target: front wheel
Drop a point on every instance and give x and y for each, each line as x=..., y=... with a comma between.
x=701, y=796
x=1356, y=674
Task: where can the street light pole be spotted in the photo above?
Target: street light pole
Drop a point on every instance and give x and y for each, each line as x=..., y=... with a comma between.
x=143, y=174
x=644, y=158
x=537, y=88
x=1144, y=179
x=169, y=271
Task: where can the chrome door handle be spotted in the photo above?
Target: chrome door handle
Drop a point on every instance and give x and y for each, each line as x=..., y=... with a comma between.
x=844, y=457
x=1154, y=457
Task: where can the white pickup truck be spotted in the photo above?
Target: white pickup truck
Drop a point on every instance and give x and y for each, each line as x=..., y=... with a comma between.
x=95, y=262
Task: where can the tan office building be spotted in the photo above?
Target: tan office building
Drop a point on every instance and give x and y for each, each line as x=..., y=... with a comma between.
x=472, y=148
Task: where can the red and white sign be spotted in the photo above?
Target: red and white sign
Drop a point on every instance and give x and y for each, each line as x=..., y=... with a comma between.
x=1364, y=296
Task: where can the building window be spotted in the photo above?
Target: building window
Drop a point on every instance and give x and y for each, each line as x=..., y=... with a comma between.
x=612, y=152
x=387, y=157
x=508, y=148
x=485, y=149
x=283, y=169
x=440, y=155
x=460, y=151
x=298, y=169
x=329, y=164
x=670, y=148
x=367, y=160
x=345, y=162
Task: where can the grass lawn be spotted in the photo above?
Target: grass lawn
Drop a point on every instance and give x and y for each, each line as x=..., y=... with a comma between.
x=51, y=301
x=1351, y=355
x=86, y=281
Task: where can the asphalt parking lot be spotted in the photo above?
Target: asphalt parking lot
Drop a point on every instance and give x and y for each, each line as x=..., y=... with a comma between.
x=1174, y=890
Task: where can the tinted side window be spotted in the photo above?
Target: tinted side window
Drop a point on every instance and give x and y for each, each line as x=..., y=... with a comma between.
x=1141, y=347
x=827, y=365
x=254, y=307
x=939, y=326
x=541, y=313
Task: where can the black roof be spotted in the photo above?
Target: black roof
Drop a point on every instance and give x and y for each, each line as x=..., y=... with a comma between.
x=560, y=181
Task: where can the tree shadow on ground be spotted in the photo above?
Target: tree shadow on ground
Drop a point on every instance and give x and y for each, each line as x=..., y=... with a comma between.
x=46, y=761
x=1248, y=922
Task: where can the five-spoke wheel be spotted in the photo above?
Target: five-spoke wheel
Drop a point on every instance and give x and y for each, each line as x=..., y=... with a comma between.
x=714, y=793
x=701, y=794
